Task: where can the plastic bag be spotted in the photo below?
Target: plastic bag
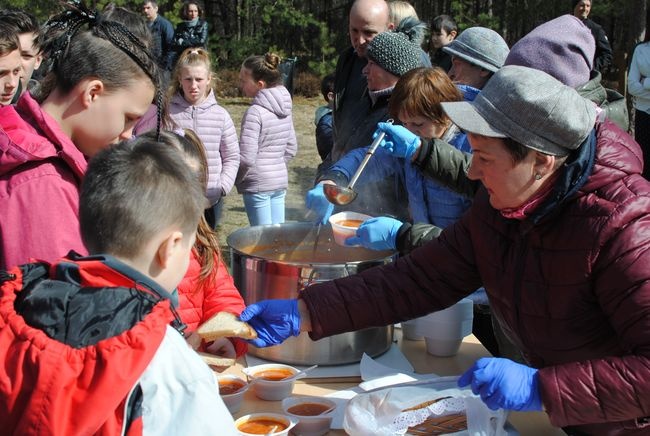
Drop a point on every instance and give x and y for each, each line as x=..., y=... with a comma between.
x=384, y=411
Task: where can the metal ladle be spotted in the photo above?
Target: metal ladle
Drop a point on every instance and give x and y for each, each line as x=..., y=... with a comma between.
x=344, y=195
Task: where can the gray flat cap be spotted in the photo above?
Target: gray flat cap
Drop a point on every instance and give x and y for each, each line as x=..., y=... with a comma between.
x=480, y=46
x=530, y=107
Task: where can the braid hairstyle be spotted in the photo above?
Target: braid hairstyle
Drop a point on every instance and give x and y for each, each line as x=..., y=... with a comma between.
x=81, y=43
x=265, y=68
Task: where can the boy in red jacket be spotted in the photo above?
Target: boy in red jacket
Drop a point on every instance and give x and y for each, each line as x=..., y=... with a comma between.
x=92, y=345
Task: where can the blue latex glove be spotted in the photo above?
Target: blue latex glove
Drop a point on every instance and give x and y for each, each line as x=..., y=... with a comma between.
x=504, y=384
x=399, y=140
x=273, y=320
x=377, y=233
x=317, y=202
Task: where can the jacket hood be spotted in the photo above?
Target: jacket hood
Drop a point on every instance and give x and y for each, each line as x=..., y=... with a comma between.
x=66, y=304
x=28, y=134
x=276, y=100
x=179, y=100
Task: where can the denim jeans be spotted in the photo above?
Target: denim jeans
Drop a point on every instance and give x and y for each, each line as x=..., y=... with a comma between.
x=213, y=214
x=265, y=207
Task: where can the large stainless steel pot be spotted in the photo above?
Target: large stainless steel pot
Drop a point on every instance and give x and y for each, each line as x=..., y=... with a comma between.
x=278, y=261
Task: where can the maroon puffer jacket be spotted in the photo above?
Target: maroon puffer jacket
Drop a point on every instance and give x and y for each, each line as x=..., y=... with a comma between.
x=572, y=291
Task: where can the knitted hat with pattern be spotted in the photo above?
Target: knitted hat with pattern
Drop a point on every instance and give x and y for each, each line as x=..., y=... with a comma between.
x=396, y=51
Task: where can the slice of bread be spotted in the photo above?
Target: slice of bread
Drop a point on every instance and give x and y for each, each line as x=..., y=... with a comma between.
x=225, y=324
x=213, y=360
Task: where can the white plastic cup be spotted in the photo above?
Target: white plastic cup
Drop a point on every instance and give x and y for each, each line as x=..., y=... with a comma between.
x=444, y=330
x=410, y=330
x=343, y=232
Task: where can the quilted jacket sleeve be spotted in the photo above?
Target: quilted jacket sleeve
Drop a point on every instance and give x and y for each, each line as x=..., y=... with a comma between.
x=431, y=278
x=573, y=393
x=224, y=297
x=292, y=144
x=229, y=151
x=251, y=125
x=446, y=165
x=411, y=236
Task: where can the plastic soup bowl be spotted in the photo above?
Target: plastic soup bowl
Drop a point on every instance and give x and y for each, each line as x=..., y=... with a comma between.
x=275, y=424
x=232, y=390
x=269, y=381
x=314, y=414
x=345, y=225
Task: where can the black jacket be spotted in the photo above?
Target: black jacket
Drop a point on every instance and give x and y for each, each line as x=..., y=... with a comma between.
x=187, y=35
x=603, y=56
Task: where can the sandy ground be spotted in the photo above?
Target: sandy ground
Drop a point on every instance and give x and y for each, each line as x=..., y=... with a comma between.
x=301, y=169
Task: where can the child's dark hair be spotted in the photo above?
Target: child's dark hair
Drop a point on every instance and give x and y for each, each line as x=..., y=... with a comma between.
x=327, y=85
x=8, y=39
x=264, y=68
x=133, y=191
x=186, y=7
x=444, y=22
x=206, y=247
x=107, y=50
x=23, y=22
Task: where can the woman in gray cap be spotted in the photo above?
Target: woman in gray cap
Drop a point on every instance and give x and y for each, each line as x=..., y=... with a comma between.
x=559, y=235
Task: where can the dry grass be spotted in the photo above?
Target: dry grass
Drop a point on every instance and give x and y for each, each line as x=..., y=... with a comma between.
x=301, y=169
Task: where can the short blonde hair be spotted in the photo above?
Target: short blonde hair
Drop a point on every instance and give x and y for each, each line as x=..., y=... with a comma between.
x=399, y=10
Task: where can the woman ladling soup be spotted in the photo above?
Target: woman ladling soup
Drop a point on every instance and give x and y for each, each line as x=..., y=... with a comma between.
x=559, y=235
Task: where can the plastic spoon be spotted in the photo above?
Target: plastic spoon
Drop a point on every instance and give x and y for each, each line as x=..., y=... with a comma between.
x=300, y=374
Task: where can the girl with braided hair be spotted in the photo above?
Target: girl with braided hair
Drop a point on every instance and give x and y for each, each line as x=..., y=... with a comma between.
x=267, y=140
x=100, y=80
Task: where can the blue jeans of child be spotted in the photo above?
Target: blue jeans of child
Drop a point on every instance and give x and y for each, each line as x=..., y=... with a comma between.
x=265, y=207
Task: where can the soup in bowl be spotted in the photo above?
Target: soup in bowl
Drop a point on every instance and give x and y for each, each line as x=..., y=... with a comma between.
x=232, y=390
x=273, y=381
x=345, y=225
x=314, y=414
x=275, y=424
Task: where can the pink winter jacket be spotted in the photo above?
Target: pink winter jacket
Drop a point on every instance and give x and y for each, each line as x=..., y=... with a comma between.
x=267, y=142
x=213, y=125
x=40, y=174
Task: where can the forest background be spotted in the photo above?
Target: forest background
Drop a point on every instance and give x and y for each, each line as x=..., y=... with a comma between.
x=314, y=31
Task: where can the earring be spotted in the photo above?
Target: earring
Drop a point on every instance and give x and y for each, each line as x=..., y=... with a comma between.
x=538, y=176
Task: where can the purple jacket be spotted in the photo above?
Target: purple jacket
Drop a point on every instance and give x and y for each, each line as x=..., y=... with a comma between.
x=570, y=286
x=267, y=142
x=40, y=175
x=213, y=125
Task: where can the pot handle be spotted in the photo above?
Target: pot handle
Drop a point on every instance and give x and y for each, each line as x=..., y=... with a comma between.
x=314, y=276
